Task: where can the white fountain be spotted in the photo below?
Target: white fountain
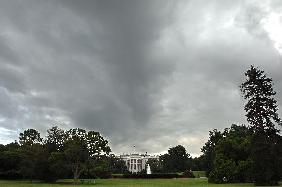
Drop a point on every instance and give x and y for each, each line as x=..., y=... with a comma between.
x=148, y=170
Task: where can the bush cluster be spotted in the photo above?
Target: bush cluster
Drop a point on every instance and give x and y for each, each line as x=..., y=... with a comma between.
x=188, y=174
x=152, y=176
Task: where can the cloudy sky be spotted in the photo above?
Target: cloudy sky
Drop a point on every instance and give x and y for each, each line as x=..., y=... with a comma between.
x=149, y=73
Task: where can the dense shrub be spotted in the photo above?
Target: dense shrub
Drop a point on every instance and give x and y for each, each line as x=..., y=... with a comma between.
x=152, y=176
x=117, y=175
x=224, y=170
x=10, y=174
x=188, y=174
x=103, y=174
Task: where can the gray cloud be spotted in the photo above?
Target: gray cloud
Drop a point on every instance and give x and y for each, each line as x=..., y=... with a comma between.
x=150, y=73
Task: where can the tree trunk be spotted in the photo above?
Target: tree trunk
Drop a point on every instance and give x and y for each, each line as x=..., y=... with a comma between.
x=76, y=174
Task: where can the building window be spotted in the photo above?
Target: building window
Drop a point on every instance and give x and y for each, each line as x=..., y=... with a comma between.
x=135, y=166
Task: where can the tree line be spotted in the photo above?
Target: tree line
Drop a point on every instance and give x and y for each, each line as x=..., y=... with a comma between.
x=63, y=154
x=75, y=153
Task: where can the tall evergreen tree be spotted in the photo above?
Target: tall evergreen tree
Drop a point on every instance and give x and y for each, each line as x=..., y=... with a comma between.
x=261, y=109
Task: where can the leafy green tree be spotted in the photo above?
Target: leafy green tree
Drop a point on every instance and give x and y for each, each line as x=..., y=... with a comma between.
x=116, y=164
x=261, y=109
x=76, y=154
x=30, y=160
x=2, y=147
x=244, y=170
x=10, y=159
x=96, y=144
x=279, y=152
x=233, y=147
x=236, y=143
x=30, y=149
x=176, y=160
x=224, y=170
x=29, y=137
x=58, y=164
x=80, y=147
x=42, y=168
x=77, y=134
x=61, y=154
x=35, y=154
x=199, y=163
x=208, y=149
x=13, y=146
x=99, y=167
x=55, y=139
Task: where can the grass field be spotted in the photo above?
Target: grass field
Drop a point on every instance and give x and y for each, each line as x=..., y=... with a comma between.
x=198, y=182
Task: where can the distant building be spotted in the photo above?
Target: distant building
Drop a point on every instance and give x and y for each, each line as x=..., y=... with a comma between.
x=136, y=162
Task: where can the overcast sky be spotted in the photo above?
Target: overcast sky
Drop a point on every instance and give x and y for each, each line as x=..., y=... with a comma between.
x=153, y=74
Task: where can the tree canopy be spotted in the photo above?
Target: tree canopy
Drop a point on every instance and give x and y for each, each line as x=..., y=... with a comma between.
x=176, y=160
x=61, y=154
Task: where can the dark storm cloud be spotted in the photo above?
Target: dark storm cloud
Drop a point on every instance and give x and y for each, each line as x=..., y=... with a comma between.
x=150, y=73
x=92, y=62
x=128, y=31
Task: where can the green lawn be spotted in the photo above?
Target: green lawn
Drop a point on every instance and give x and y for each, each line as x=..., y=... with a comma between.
x=198, y=182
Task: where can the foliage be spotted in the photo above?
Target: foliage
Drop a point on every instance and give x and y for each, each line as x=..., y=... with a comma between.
x=199, y=163
x=76, y=155
x=30, y=154
x=232, y=161
x=116, y=165
x=58, y=165
x=29, y=137
x=265, y=158
x=176, y=160
x=208, y=150
x=9, y=161
x=96, y=144
x=152, y=176
x=98, y=167
x=60, y=155
x=155, y=165
x=252, y=153
x=188, y=174
x=55, y=139
x=261, y=107
x=261, y=112
x=224, y=170
x=101, y=171
x=80, y=147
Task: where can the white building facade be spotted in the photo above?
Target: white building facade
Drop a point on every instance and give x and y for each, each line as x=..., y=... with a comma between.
x=136, y=162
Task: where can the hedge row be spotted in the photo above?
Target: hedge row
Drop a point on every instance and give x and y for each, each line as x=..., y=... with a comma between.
x=152, y=176
x=185, y=174
x=10, y=174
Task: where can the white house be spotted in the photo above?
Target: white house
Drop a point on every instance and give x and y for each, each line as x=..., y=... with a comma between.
x=136, y=162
